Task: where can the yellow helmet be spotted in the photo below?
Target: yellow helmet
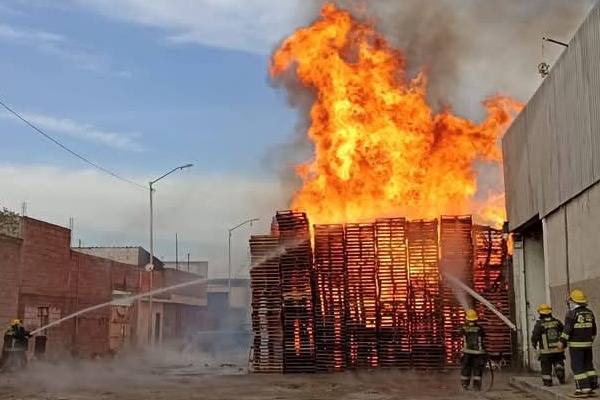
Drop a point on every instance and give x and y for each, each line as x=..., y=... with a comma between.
x=544, y=309
x=472, y=315
x=578, y=297
x=15, y=321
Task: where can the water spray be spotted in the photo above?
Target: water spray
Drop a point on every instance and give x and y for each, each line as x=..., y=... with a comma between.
x=121, y=300
x=481, y=299
x=276, y=253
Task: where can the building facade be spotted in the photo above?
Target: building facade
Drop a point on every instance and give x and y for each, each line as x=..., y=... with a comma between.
x=44, y=280
x=552, y=171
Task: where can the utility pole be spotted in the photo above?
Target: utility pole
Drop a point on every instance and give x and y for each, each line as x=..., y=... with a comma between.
x=249, y=221
x=150, y=266
x=176, y=253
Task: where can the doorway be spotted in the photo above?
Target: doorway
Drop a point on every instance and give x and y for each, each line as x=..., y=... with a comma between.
x=535, y=286
x=157, y=328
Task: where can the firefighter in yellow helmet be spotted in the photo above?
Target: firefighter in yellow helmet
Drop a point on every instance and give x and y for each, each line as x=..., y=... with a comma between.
x=16, y=342
x=473, y=358
x=546, y=338
x=579, y=334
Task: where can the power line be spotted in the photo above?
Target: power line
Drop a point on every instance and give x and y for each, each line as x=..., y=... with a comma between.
x=55, y=141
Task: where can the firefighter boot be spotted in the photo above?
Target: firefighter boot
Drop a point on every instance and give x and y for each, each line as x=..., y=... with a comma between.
x=547, y=382
x=560, y=374
x=477, y=383
x=593, y=382
x=465, y=382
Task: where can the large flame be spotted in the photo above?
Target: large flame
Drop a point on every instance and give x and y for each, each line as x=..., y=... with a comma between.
x=380, y=150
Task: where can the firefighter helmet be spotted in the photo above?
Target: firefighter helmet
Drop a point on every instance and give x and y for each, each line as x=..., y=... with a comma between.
x=544, y=309
x=472, y=315
x=578, y=297
x=15, y=321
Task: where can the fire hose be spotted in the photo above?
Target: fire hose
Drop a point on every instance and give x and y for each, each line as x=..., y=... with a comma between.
x=490, y=367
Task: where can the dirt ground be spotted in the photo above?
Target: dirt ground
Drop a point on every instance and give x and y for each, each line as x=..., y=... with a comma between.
x=165, y=376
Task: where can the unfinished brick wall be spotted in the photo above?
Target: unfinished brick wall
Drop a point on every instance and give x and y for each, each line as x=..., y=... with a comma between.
x=10, y=258
x=45, y=281
x=91, y=285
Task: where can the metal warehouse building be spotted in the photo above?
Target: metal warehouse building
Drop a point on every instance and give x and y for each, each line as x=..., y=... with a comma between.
x=552, y=171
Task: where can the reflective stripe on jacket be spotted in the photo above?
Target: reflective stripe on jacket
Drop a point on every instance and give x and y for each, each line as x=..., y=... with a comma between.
x=546, y=335
x=580, y=328
x=473, y=337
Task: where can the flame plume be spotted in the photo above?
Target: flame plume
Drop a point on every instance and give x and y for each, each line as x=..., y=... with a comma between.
x=380, y=150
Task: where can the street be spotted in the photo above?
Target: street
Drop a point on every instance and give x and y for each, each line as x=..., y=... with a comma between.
x=186, y=378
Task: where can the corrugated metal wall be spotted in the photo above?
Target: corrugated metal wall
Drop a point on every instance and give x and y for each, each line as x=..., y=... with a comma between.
x=552, y=151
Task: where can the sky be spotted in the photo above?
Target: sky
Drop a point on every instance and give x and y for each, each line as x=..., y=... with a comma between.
x=141, y=87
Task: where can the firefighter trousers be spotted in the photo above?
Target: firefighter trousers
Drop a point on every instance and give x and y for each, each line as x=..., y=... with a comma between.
x=582, y=364
x=551, y=361
x=472, y=365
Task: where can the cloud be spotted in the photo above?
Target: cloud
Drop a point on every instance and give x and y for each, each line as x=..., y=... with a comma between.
x=81, y=131
x=108, y=212
x=247, y=25
x=14, y=35
x=60, y=46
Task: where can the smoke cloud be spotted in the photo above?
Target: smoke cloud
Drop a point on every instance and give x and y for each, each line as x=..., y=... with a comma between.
x=470, y=49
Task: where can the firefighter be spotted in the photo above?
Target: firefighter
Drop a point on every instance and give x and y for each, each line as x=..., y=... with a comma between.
x=473, y=358
x=546, y=336
x=578, y=334
x=16, y=343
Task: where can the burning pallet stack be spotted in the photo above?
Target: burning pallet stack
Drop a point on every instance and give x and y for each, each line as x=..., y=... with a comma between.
x=266, y=304
x=330, y=297
x=491, y=282
x=394, y=305
x=427, y=335
x=296, y=291
x=371, y=295
x=361, y=296
x=456, y=244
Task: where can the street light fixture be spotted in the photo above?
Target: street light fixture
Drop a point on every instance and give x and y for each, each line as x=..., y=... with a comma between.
x=250, y=221
x=150, y=265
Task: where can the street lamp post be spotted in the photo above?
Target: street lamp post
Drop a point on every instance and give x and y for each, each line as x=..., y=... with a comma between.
x=150, y=266
x=250, y=221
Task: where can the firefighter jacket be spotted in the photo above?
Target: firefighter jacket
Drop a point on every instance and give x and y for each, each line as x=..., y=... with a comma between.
x=16, y=337
x=473, y=337
x=546, y=335
x=580, y=328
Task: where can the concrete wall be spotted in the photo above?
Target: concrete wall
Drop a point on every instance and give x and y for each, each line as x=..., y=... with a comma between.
x=125, y=255
x=574, y=252
x=174, y=277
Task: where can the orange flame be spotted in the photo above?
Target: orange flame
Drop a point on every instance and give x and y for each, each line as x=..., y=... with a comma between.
x=380, y=150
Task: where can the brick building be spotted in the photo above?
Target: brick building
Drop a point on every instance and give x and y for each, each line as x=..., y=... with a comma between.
x=43, y=280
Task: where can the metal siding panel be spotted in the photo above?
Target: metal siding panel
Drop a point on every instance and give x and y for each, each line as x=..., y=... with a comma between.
x=519, y=194
x=543, y=149
x=591, y=60
x=560, y=128
x=581, y=150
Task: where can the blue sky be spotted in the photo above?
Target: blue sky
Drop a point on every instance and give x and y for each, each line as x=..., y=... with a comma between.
x=142, y=86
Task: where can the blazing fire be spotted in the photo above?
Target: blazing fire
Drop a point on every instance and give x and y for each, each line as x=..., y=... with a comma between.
x=380, y=150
